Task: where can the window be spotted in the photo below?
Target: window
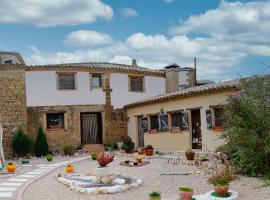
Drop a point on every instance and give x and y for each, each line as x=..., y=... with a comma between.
x=136, y=84
x=208, y=119
x=163, y=123
x=154, y=124
x=66, y=81
x=219, y=117
x=8, y=61
x=184, y=123
x=55, y=120
x=96, y=80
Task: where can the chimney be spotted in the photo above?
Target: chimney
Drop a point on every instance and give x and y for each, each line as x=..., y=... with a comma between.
x=172, y=78
x=134, y=62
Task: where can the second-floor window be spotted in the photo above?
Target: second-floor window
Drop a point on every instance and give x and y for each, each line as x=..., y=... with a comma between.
x=66, y=81
x=96, y=80
x=136, y=84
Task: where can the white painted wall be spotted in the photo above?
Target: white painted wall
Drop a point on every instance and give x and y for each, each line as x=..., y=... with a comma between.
x=121, y=96
x=41, y=90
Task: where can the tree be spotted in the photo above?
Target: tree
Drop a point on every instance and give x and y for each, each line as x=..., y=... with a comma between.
x=21, y=143
x=41, y=146
x=247, y=129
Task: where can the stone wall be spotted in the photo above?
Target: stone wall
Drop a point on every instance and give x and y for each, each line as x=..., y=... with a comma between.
x=71, y=134
x=12, y=103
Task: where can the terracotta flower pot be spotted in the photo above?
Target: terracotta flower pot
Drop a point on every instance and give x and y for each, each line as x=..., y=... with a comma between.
x=141, y=151
x=221, y=190
x=149, y=152
x=11, y=168
x=186, y=195
x=190, y=156
x=69, y=169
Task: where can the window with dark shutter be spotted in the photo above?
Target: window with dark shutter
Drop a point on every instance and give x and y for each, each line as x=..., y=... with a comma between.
x=66, y=81
x=136, y=84
x=154, y=124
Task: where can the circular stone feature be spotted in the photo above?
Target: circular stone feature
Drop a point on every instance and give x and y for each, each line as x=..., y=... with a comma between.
x=109, y=184
x=131, y=164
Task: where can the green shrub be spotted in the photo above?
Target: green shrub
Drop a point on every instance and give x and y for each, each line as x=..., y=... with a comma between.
x=128, y=145
x=49, y=157
x=247, y=127
x=69, y=150
x=185, y=189
x=21, y=143
x=154, y=194
x=41, y=146
x=94, y=156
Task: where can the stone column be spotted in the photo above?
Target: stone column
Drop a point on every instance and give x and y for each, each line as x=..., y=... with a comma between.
x=13, y=112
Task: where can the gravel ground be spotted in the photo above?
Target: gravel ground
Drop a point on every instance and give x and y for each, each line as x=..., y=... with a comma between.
x=48, y=188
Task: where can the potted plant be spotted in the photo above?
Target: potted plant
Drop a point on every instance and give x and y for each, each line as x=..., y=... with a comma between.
x=221, y=181
x=186, y=193
x=141, y=151
x=49, y=157
x=69, y=150
x=94, y=156
x=190, y=154
x=11, y=167
x=149, y=150
x=128, y=145
x=69, y=169
x=155, y=196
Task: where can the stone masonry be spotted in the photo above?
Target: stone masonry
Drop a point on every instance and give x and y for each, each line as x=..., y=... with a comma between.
x=12, y=103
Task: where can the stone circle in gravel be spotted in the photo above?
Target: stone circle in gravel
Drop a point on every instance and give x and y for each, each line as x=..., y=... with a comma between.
x=95, y=185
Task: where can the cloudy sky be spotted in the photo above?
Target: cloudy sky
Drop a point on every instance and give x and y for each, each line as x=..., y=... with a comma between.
x=229, y=38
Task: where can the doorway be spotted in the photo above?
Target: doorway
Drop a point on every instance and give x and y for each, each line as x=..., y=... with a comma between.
x=91, y=128
x=196, y=129
x=142, y=128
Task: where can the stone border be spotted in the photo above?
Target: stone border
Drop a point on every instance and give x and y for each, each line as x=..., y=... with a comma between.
x=26, y=185
x=101, y=190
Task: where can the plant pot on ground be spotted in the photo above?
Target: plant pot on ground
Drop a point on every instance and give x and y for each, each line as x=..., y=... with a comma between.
x=186, y=193
x=69, y=169
x=155, y=196
x=149, y=150
x=128, y=145
x=190, y=154
x=11, y=167
x=49, y=157
x=221, y=180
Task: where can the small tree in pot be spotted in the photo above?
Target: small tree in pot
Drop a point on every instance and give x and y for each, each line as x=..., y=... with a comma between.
x=149, y=150
x=190, y=154
x=128, y=145
x=221, y=181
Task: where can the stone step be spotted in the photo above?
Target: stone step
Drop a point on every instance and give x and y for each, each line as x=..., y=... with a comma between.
x=93, y=148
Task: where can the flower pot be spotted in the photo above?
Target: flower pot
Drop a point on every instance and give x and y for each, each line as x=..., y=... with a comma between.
x=141, y=151
x=11, y=168
x=149, y=152
x=186, y=195
x=221, y=190
x=69, y=169
x=190, y=156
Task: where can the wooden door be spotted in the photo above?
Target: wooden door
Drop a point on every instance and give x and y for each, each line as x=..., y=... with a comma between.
x=196, y=129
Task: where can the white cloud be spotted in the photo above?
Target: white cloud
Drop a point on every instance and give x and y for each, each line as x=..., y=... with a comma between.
x=233, y=32
x=169, y=1
x=129, y=12
x=87, y=38
x=44, y=13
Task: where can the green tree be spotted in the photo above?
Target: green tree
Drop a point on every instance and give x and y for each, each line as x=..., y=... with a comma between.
x=247, y=128
x=41, y=146
x=21, y=143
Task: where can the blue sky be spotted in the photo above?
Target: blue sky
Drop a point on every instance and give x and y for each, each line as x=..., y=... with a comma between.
x=228, y=37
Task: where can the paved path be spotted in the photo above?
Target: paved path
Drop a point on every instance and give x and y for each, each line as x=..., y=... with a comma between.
x=18, y=183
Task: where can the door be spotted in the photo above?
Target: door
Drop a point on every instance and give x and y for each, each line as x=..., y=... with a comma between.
x=142, y=128
x=91, y=128
x=196, y=129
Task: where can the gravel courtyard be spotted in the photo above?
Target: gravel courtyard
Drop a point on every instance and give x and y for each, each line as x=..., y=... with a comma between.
x=48, y=188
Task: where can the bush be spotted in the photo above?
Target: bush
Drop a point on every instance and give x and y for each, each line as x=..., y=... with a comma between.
x=41, y=146
x=69, y=150
x=247, y=128
x=21, y=143
x=128, y=145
